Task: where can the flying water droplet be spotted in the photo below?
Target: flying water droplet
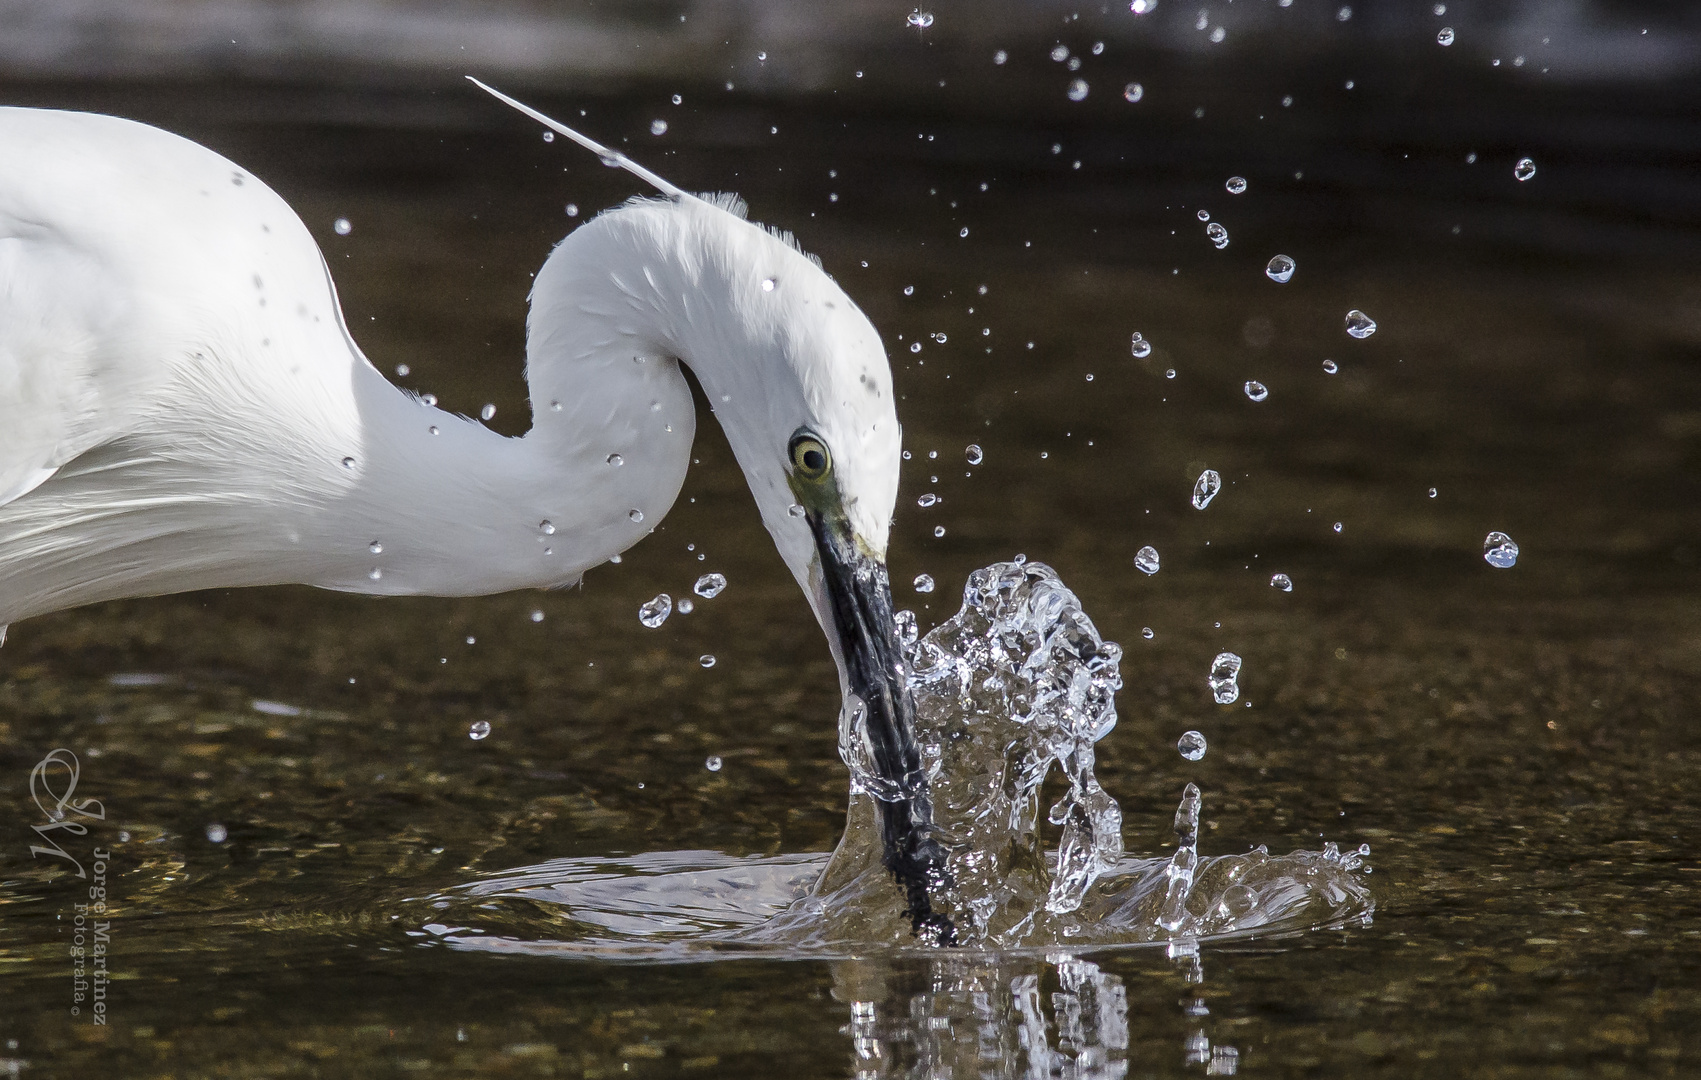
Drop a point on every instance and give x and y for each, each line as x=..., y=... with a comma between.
x=1339, y=526
x=795, y=510
x=1360, y=325
x=928, y=499
x=1219, y=235
x=1500, y=550
x=549, y=136
x=375, y=547
x=1330, y=367
x=1140, y=7
x=709, y=586
x=706, y=660
x=762, y=55
x=1000, y=56
x=1191, y=745
x=1236, y=185
x=546, y=527
x=1256, y=390
x=217, y=833
x=487, y=413
x=677, y=100
x=1225, y=678
x=537, y=616
x=1280, y=270
x=652, y=613
x=1140, y=347
x=767, y=284
x=1445, y=37
x=712, y=763
x=1282, y=582
x=1078, y=90
x=938, y=531
x=658, y=127
x=915, y=347
x=923, y=583
x=636, y=515
x=1524, y=169
x=1060, y=53
x=343, y=226
x=616, y=460
x=1433, y=493
x=375, y=573
x=348, y=463
x=1133, y=91
x=1169, y=373
x=963, y=232
x=1204, y=215
x=1146, y=632
x=480, y=729
x=973, y=454
x=1205, y=488
x=920, y=19
x=685, y=606
x=1146, y=560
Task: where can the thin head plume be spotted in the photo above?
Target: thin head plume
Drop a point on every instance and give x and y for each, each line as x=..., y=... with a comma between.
x=609, y=156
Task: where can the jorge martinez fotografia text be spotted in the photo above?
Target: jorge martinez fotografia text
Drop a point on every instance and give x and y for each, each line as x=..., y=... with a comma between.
x=91, y=932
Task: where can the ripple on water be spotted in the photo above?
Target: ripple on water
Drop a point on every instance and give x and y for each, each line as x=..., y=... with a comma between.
x=1018, y=681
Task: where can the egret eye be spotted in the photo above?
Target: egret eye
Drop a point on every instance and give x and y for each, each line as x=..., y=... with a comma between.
x=809, y=457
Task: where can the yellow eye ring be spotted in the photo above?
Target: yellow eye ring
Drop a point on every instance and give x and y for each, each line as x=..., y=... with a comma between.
x=809, y=457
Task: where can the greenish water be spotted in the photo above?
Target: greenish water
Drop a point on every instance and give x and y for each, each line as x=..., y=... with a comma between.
x=1518, y=747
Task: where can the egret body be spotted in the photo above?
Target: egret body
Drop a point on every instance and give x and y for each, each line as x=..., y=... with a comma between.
x=182, y=407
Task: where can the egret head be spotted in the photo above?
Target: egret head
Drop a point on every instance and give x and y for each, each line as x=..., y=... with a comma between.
x=799, y=380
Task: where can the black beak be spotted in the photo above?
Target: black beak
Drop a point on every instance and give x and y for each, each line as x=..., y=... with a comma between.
x=862, y=611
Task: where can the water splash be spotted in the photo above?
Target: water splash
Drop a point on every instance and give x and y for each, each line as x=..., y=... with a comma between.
x=1018, y=681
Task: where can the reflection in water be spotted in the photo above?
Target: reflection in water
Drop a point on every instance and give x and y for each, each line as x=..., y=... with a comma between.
x=995, y=1018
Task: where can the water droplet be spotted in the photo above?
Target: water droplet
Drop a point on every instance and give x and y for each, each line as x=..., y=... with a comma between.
x=1205, y=488
x=217, y=833
x=1169, y=373
x=1140, y=7
x=636, y=515
x=909, y=290
x=1191, y=745
x=1500, y=550
x=709, y=586
x=1256, y=390
x=1146, y=632
x=1219, y=235
x=1140, y=347
x=1204, y=215
x=1133, y=91
x=928, y=499
x=712, y=763
x=428, y=400
x=1146, y=560
x=923, y=583
x=1280, y=270
x=795, y=510
x=919, y=19
x=767, y=284
x=1078, y=90
x=938, y=531
x=1282, y=582
x=572, y=209
x=1432, y=493
x=615, y=460
x=677, y=100
x=1218, y=34
x=432, y=430
x=762, y=55
x=685, y=606
x=348, y=463
x=1225, y=675
x=1060, y=53
x=487, y=413
x=1330, y=367
x=343, y=226
x=1524, y=169
x=479, y=730
x=652, y=613
x=1000, y=56
x=1360, y=325
x=1236, y=185
x=537, y=616
x=916, y=347
x=1345, y=13
x=375, y=573
x=1445, y=37
x=1338, y=526
x=706, y=660
x=375, y=547
x=973, y=454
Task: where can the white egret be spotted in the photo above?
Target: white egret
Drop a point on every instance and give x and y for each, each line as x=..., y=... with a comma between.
x=182, y=407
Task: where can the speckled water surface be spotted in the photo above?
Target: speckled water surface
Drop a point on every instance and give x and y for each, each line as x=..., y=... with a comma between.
x=288, y=776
